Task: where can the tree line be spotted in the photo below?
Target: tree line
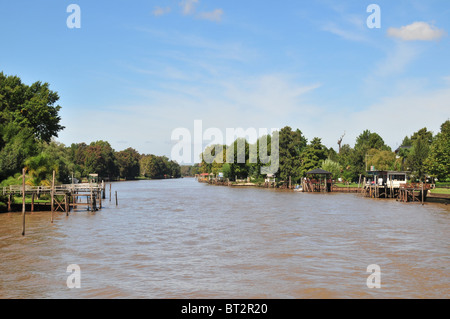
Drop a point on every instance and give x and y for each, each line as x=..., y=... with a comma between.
x=422, y=154
x=29, y=120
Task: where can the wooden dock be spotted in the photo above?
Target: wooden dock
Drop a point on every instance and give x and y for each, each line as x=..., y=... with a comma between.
x=406, y=192
x=413, y=192
x=60, y=197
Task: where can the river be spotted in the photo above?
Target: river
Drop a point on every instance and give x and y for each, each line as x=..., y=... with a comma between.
x=184, y=239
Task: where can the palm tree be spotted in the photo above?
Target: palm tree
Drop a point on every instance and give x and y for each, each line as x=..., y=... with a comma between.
x=39, y=168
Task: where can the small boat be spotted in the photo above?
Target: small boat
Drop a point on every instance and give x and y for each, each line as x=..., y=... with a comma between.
x=298, y=188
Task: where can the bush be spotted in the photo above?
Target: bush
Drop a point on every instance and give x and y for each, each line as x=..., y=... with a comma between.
x=3, y=203
x=12, y=180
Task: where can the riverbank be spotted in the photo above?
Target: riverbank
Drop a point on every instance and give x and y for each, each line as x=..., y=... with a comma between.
x=278, y=185
x=436, y=195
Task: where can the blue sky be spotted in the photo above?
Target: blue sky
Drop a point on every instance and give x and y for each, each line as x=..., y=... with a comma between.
x=137, y=70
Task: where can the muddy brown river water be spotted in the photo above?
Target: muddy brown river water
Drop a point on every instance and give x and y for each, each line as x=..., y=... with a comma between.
x=184, y=239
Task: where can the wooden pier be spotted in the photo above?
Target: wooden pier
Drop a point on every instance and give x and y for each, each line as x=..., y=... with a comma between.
x=406, y=192
x=58, y=197
x=318, y=180
x=61, y=197
x=413, y=192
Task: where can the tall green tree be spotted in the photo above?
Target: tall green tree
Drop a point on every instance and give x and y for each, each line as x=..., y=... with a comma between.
x=367, y=140
x=423, y=134
x=364, y=143
x=19, y=144
x=313, y=155
x=128, y=163
x=417, y=156
x=159, y=167
x=438, y=162
x=291, y=145
x=381, y=159
x=413, y=153
x=100, y=159
x=333, y=167
x=240, y=166
x=28, y=115
x=30, y=106
x=345, y=159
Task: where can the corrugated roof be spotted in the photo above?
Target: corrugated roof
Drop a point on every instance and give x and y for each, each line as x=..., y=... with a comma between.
x=318, y=171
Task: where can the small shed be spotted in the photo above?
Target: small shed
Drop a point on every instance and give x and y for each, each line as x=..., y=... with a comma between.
x=392, y=179
x=318, y=180
x=93, y=178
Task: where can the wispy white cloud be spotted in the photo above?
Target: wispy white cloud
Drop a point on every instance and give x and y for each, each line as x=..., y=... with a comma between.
x=349, y=26
x=206, y=49
x=188, y=6
x=273, y=95
x=446, y=79
x=345, y=34
x=417, y=31
x=159, y=11
x=215, y=15
x=398, y=59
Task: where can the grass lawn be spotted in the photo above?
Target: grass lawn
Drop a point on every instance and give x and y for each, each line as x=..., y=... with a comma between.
x=442, y=184
x=440, y=191
x=345, y=185
x=18, y=200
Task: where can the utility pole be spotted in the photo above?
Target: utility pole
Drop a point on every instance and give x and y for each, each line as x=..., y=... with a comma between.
x=366, y=160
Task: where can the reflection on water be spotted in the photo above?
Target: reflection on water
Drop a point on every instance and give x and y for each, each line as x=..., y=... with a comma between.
x=183, y=239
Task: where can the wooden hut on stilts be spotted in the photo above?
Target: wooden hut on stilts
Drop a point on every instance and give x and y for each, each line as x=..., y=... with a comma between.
x=317, y=180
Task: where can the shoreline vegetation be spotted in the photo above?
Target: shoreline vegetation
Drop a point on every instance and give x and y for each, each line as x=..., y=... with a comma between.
x=30, y=120
x=436, y=195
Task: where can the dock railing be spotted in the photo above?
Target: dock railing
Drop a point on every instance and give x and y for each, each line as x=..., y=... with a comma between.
x=64, y=188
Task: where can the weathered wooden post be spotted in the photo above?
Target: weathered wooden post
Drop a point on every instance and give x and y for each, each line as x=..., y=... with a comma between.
x=109, y=191
x=422, y=193
x=53, y=196
x=66, y=203
x=23, y=202
x=9, y=202
x=359, y=182
x=94, y=202
x=116, y=199
x=91, y=201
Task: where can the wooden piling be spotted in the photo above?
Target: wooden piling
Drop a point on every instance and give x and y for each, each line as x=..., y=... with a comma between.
x=94, y=202
x=23, y=202
x=32, y=202
x=66, y=203
x=10, y=197
x=116, y=199
x=52, y=196
x=91, y=202
x=422, y=194
x=109, y=191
